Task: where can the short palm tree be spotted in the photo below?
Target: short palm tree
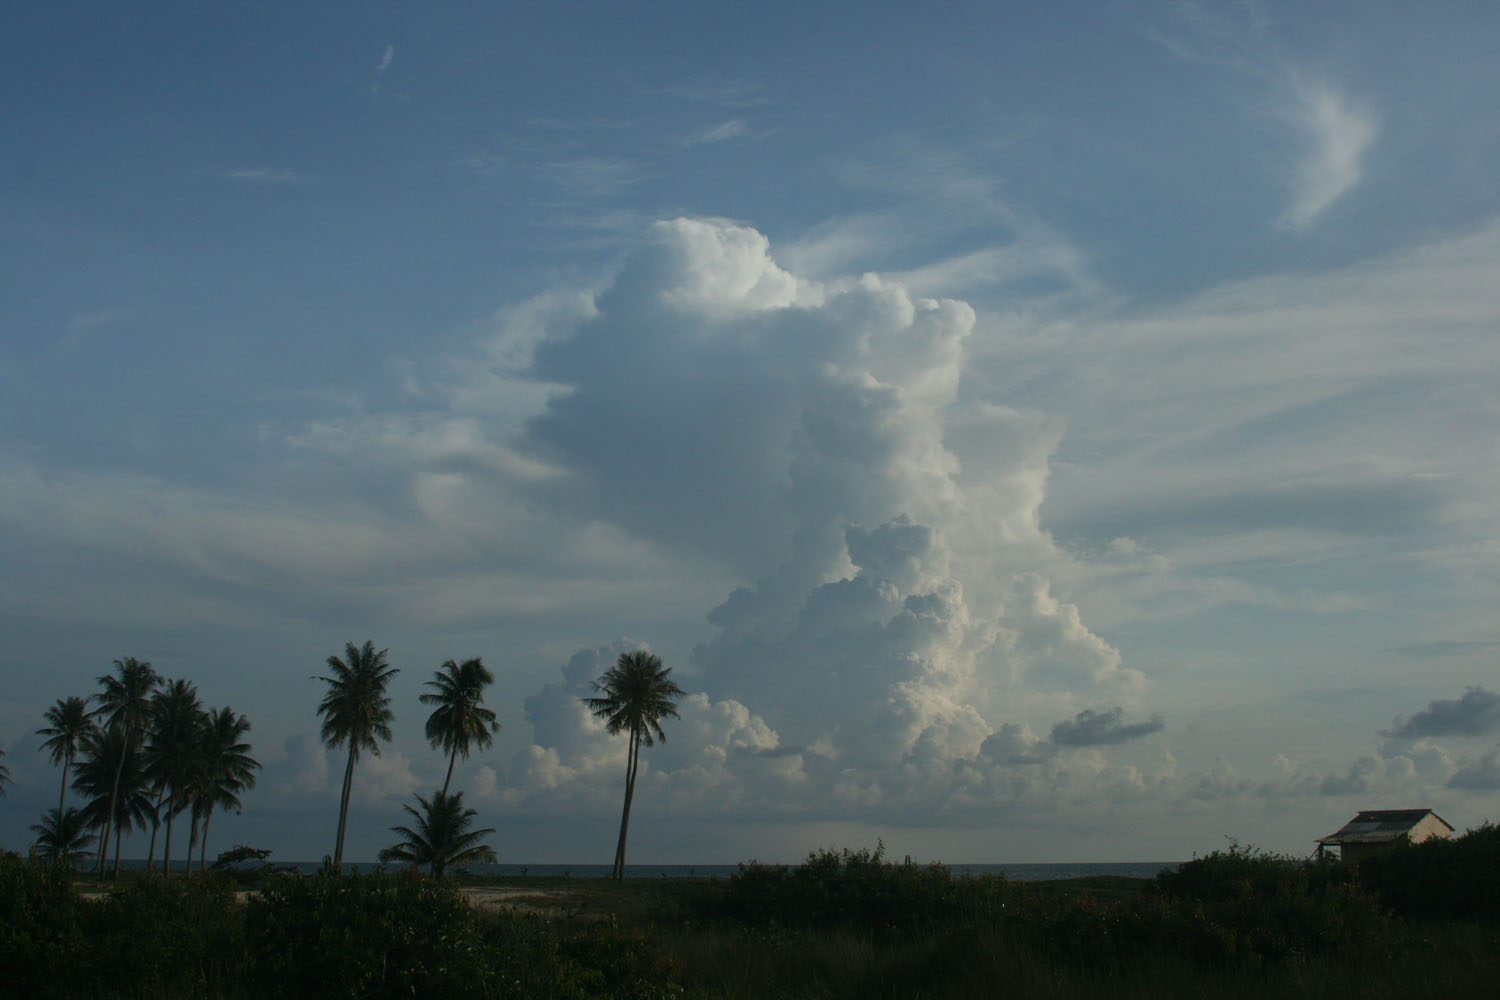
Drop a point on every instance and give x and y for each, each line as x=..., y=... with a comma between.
x=174, y=753
x=634, y=696
x=229, y=770
x=356, y=711
x=460, y=719
x=442, y=836
x=70, y=721
x=63, y=836
x=125, y=703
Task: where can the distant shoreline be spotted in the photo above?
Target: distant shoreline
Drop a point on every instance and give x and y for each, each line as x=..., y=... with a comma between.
x=1015, y=871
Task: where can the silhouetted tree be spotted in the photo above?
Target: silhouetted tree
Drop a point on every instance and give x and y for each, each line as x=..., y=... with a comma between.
x=175, y=753
x=634, y=696
x=229, y=770
x=70, y=722
x=109, y=775
x=124, y=704
x=442, y=836
x=460, y=719
x=356, y=711
x=63, y=836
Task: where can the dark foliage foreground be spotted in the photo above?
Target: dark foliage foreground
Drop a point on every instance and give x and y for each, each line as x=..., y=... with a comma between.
x=1418, y=921
x=321, y=936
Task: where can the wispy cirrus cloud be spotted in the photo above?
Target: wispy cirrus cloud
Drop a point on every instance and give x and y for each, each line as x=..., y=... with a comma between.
x=1337, y=133
x=386, y=58
x=268, y=175
x=722, y=132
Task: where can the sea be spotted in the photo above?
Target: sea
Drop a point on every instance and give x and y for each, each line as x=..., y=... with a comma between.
x=1014, y=872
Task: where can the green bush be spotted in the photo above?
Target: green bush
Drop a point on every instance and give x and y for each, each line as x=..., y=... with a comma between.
x=1456, y=878
x=42, y=938
x=859, y=889
x=1243, y=908
x=365, y=936
x=168, y=937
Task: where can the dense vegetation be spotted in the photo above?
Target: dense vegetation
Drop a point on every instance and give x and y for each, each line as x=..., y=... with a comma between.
x=1416, y=921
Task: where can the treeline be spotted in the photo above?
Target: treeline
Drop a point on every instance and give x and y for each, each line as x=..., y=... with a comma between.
x=147, y=751
x=144, y=750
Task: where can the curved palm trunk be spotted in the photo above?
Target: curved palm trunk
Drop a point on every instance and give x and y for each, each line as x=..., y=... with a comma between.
x=632, y=764
x=166, y=851
x=62, y=796
x=203, y=847
x=114, y=800
x=452, y=759
x=338, y=849
x=119, y=832
x=103, y=846
x=187, y=864
x=155, y=825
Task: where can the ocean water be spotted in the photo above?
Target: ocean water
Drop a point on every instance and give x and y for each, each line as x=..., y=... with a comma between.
x=1015, y=872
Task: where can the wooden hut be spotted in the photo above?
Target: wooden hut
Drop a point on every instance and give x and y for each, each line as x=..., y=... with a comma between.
x=1378, y=829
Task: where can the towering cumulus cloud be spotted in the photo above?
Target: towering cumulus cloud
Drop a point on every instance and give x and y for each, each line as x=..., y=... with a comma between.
x=812, y=437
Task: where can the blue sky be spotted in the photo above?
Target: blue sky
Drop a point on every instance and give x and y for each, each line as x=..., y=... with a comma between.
x=1030, y=433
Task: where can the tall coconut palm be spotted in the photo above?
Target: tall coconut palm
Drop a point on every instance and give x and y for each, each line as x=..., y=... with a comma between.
x=109, y=775
x=63, y=836
x=174, y=752
x=442, y=836
x=125, y=703
x=229, y=770
x=460, y=719
x=634, y=696
x=356, y=711
x=70, y=721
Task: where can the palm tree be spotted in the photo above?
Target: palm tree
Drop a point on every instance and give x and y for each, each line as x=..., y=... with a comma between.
x=634, y=696
x=70, y=722
x=357, y=711
x=460, y=718
x=63, y=837
x=110, y=777
x=229, y=770
x=4, y=773
x=442, y=836
x=125, y=704
x=174, y=752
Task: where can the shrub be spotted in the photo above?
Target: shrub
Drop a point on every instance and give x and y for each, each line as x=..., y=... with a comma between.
x=41, y=929
x=859, y=889
x=365, y=936
x=168, y=937
x=1247, y=909
x=1440, y=879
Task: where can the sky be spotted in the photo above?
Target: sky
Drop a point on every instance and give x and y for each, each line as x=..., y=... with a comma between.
x=1029, y=433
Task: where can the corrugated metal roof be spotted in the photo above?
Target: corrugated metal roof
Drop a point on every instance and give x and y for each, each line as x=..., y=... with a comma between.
x=1378, y=826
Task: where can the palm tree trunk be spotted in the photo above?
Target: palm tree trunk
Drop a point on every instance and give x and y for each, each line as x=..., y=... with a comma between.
x=155, y=824
x=203, y=848
x=631, y=765
x=338, y=849
x=103, y=845
x=114, y=798
x=187, y=865
x=452, y=759
x=119, y=830
x=62, y=796
x=166, y=851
